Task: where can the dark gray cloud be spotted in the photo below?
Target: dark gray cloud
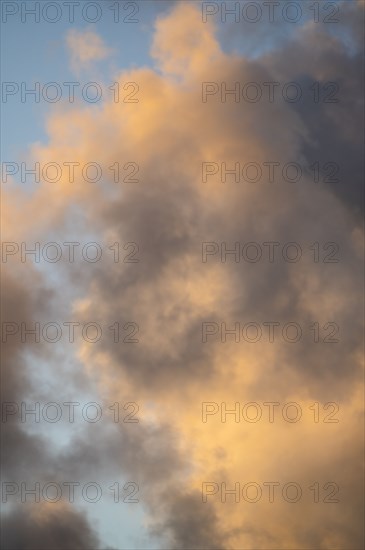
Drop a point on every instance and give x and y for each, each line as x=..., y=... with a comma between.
x=28, y=457
x=64, y=529
x=190, y=523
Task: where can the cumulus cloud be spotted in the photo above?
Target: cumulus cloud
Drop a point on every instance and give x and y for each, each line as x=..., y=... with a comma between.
x=171, y=292
x=47, y=527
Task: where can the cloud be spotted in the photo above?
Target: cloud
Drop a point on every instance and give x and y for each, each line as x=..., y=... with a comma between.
x=182, y=43
x=46, y=528
x=86, y=48
x=28, y=457
x=171, y=292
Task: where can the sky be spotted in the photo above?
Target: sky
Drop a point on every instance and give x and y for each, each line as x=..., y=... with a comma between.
x=182, y=275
